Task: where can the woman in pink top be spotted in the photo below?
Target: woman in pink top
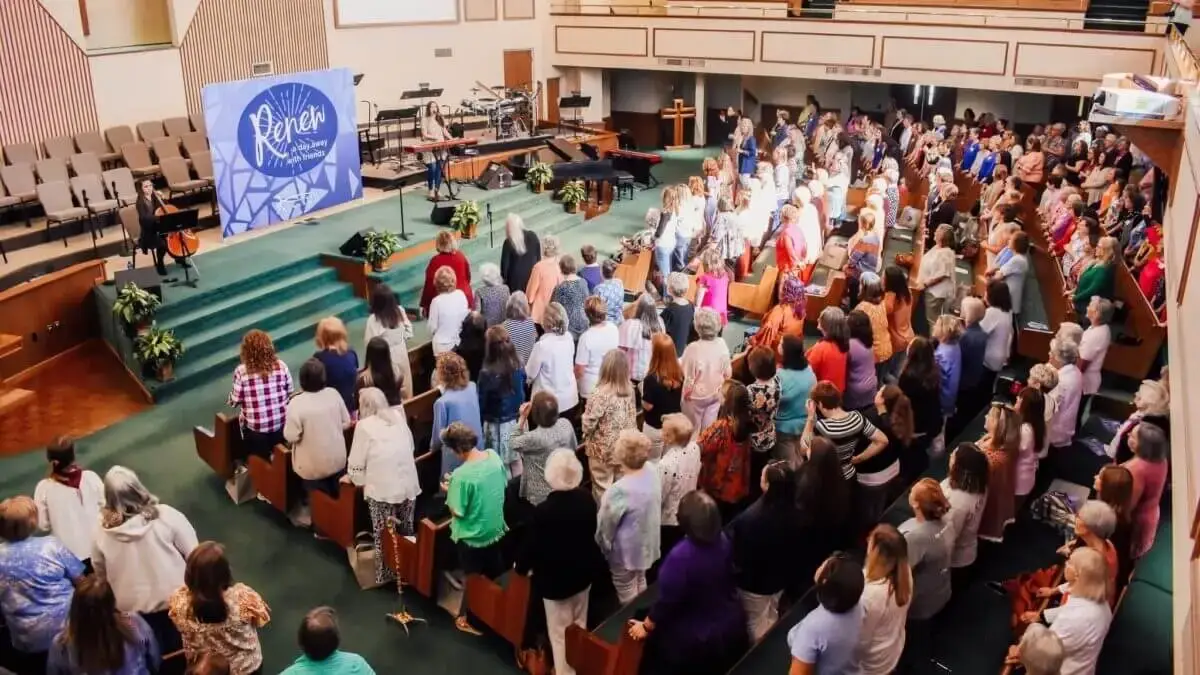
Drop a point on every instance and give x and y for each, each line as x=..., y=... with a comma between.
x=706, y=366
x=1149, y=468
x=545, y=276
x=1031, y=406
x=713, y=285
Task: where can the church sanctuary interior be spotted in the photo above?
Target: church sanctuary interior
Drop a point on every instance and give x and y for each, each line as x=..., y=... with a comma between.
x=599, y=337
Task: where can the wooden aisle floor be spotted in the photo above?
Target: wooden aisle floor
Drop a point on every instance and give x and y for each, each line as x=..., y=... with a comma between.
x=81, y=392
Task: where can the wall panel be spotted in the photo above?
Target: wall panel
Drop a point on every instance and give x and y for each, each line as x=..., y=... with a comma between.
x=519, y=9
x=1077, y=62
x=45, y=83
x=945, y=55
x=480, y=10
x=818, y=49
x=692, y=43
x=602, y=41
x=227, y=36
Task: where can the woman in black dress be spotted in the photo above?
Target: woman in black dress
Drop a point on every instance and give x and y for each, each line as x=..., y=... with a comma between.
x=520, y=252
x=148, y=202
x=920, y=380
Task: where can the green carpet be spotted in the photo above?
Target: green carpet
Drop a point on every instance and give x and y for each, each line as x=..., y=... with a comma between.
x=293, y=571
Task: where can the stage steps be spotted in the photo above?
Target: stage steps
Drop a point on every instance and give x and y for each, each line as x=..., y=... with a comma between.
x=286, y=301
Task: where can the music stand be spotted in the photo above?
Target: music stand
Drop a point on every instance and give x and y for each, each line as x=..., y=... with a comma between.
x=358, y=78
x=573, y=102
x=397, y=115
x=178, y=221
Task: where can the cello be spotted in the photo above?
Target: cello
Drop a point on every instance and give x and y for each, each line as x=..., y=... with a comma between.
x=182, y=244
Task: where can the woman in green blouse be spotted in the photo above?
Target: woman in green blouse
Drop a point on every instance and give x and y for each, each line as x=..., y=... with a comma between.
x=1099, y=277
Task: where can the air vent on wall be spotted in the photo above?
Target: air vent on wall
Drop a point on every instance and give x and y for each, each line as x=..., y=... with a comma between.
x=692, y=63
x=846, y=70
x=1044, y=82
x=443, y=53
x=262, y=68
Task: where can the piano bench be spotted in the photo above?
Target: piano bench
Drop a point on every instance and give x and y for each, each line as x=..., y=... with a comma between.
x=624, y=184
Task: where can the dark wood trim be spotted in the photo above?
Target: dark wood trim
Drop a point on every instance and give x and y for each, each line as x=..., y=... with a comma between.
x=1017, y=59
x=494, y=17
x=883, y=55
x=753, y=43
x=83, y=18
x=1187, y=255
x=763, y=43
x=645, y=43
x=532, y=14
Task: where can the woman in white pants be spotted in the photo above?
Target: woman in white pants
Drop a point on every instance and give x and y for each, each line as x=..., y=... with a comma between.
x=561, y=552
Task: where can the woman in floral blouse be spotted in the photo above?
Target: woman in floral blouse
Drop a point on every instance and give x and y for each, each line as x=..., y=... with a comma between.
x=764, y=403
x=216, y=615
x=609, y=410
x=725, y=450
x=679, y=469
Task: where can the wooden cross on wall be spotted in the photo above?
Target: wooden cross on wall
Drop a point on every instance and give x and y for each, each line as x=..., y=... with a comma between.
x=678, y=113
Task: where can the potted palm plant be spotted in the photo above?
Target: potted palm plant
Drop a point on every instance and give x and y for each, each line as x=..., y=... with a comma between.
x=539, y=176
x=157, y=350
x=135, y=308
x=465, y=220
x=379, y=247
x=572, y=195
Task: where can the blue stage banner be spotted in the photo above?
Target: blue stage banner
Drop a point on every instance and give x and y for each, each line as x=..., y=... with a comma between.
x=282, y=146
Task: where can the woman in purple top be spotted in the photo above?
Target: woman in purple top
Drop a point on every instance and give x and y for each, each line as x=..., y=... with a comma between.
x=697, y=626
x=861, y=380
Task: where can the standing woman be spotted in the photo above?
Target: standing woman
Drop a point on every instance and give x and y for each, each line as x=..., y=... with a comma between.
x=571, y=293
x=725, y=450
x=637, y=335
x=746, y=147
x=936, y=275
x=929, y=554
x=459, y=402
x=885, y=600
x=380, y=372
x=1000, y=443
x=1114, y=486
x=543, y=279
x=998, y=324
x=433, y=130
x=69, y=500
x=447, y=255
x=1031, y=407
x=609, y=411
x=898, y=301
x=551, y=364
x=796, y=380
x=261, y=387
x=492, y=298
x=501, y=393
x=861, y=379
x=539, y=432
x=141, y=551
x=767, y=539
x=920, y=381
x=381, y=462
x=1098, y=278
x=447, y=311
x=521, y=329
x=1149, y=467
x=99, y=639
x=38, y=576
x=472, y=343
x=593, y=345
x=628, y=525
x=216, y=615
x=519, y=253
x=966, y=488
x=871, y=294
x=830, y=357
x=389, y=321
x=662, y=390
x=340, y=361
x=706, y=364
x=712, y=287
x=315, y=428
x=879, y=475
x=148, y=203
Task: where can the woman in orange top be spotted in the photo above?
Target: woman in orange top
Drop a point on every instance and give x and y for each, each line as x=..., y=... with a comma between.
x=871, y=294
x=828, y=358
x=786, y=318
x=725, y=450
x=897, y=300
x=546, y=275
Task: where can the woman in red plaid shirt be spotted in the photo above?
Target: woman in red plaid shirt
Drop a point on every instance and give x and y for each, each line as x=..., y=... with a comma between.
x=261, y=386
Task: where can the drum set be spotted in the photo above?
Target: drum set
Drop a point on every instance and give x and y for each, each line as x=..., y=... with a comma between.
x=509, y=112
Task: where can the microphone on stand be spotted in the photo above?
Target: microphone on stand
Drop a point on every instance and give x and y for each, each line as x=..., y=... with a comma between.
x=491, y=228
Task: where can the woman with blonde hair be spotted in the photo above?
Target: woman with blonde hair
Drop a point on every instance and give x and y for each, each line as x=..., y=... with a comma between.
x=745, y=146
x=706, y=365
x=262, y=384
x=609, y=410
x=628, y=525
x=340, y=361
x=666, y=230
x=459, y=402
x=1001, y=443
x=712, y=286
x=1082, y=621
x=520, y=252
x=1098, y=279
x=929, y=545
x=543, y=279
x=382, y=462
x=636, y=334
x=447, y=255
x=886, y=595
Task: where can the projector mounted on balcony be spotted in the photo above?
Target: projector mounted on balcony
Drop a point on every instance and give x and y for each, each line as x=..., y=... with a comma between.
x=1138, y=97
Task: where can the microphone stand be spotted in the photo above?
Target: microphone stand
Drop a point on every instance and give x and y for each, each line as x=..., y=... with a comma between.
x=491, y=228
x=400, y=196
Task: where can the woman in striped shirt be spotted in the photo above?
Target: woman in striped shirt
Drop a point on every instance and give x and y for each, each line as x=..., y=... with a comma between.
x=521, y=329
x=636, y=334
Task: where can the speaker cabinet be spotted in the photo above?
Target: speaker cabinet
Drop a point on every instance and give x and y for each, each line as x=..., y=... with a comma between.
x=145, y=278
x=356, y=245
x=495, y=177
x=442, y=212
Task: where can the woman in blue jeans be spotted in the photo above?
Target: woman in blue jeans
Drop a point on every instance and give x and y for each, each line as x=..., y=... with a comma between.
x=433, y=130
x=665, y=234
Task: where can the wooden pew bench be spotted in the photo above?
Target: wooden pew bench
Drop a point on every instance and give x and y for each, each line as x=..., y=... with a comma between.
x=608, y=650
x=221, y=445
x=501, y=604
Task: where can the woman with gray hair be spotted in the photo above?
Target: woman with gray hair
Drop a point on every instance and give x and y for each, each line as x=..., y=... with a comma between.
x=1151, y=403
x=551, y=364
x=636, y=333
x=381, y=462
x=1093, y=348
x=521, y=329
x=1064, y=356
x=1082, y=621
x=561, y=552
x=936, y=275
x=492, y=298
x=706, y=365
x=519, y=253
x=141, y=551
x=1044, y=378
x=1040, y=652
x=1150, y=468
x=1095, y=523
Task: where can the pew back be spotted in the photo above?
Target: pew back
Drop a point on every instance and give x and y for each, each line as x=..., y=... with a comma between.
x=219, y=446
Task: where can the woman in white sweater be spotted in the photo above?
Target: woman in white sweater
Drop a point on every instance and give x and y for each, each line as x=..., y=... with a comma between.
x=1082, y=621
x=884, y=601
x=69, y=501
x=389, y=322
x=316, y=419
x=446, y=311
x=141, y=550
x=381, y=461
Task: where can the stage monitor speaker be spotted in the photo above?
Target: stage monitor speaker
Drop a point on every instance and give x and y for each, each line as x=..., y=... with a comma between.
x=442, y=212
x=356, y=245
x=145, y=278
x=496, y=176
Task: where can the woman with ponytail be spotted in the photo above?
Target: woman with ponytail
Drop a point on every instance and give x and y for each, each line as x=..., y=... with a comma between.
x=928, y=540
x=216, y=615
x=69, y=500
x=885, y=599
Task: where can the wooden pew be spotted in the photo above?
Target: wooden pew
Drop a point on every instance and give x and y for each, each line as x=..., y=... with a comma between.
x=271, y=478
x=755, y=299
x=1147, y=334
x=831, y=296
x=608, y=650
x=634, y=271
x=1034, y=343
x=338, y=517
x=502, y=604
x=220, y=445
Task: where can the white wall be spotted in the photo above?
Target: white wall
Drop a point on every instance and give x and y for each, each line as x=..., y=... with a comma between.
x=128, y=23
x=155, y=93
x=66, y=12
x=839, y=96
x=1014, y=107
x=724, y=91
x=182, y=13
x=647, y=91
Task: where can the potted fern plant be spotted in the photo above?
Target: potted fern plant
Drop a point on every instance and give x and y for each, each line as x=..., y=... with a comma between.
x=572, y=195
x=539, y=176
x=465, y=220
x=379, y=247
x=135, y=308
x=158, y=350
